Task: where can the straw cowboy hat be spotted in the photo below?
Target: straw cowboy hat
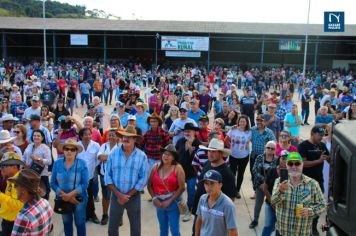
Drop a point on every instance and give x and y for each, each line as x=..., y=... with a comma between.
x=7, y=117
x=70, y=143
x=5, y=137
x=33, y=77
x=155, y=116
x=143, y=105
x=130, y=131
x=11, y=158
x=216, y=145
x=30, y=180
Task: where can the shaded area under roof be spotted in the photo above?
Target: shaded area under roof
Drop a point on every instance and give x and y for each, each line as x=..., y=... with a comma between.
x=26, y=23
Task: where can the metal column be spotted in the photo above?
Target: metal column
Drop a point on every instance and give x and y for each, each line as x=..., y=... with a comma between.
x=54, y=48
x=105, y=48
x=4, y=47
x=262, y=51
x=316, y=52
x=209, y=56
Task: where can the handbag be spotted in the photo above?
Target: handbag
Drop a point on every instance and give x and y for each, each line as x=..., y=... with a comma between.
x=182, y=205
x=61, y=206
x=35, y=165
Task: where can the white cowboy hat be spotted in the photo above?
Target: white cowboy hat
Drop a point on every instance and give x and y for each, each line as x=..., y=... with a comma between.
x=216, y=145
x=5, y=137
x=8, y=117
x=33, y=77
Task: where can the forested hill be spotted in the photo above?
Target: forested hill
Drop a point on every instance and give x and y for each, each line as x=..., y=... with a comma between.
x=33, y=8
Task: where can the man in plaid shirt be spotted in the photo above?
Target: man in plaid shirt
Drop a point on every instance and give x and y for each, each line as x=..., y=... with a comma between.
x=297, y=201
x=18, y=108
x=35, y=218
x=281, y=113
x=155, y=139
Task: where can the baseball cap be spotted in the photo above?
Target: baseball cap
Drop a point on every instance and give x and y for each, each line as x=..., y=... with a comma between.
x=119, y=103
x=213, y=175
x=272, y=105
x=35, y=98
x=35, y=117
x=294, y=156
x=318, y=129
x=131, y=117
x=90, y=106
x=203, y=118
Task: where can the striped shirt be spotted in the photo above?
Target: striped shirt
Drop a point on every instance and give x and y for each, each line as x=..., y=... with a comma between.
x=307, y=193
x=34, y=219
x=127, y=173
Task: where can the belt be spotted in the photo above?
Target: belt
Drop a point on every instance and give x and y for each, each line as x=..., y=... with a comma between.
x=164, y=196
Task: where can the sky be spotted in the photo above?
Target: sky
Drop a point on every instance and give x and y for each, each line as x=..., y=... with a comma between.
x=262, y=11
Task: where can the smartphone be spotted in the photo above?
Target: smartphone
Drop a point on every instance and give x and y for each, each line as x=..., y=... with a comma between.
x=284, y=175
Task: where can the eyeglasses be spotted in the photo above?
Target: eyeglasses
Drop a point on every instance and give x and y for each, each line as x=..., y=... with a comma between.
x=70, y=149
x=284, y=136
x=114, y=119
x=294, y=163
x=270, y=148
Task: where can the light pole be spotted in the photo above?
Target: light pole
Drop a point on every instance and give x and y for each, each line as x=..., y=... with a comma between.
x=44, y=34
x=306, y=42
x=157, y=37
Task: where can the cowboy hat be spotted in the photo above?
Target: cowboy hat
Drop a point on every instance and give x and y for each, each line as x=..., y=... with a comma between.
x=155, y=116
x=33, y=77
x=143, y=105
x=28, y=179
x=71, y=143
x=190, y=126
x=11, y=158
x=5, y=137
x=172, y=150
x=155, y=90
x=8, y=117
x=216, y=145
x=130, y=131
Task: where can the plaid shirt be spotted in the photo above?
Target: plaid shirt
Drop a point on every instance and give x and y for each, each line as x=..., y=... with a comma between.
x=34, y=219
x=259, y=139
x=14, y=106
x=281, y=113
x=307, y=193
x=154, y=141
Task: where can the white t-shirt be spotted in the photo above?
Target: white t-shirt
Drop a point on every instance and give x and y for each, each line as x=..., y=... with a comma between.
x=240, y=141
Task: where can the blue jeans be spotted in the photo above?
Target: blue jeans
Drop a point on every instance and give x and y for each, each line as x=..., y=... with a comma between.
x=270, y=220
x=84, y=97
x=168, y=218
x=191, y=191
x=79, y=220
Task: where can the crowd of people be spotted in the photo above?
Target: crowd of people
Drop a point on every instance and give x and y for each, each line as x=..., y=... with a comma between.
x=192, y=131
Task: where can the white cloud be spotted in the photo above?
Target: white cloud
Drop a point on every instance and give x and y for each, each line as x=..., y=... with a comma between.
x=274, y=11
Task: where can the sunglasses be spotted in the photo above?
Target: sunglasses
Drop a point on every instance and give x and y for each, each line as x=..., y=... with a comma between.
x=70, y=149
x=270, y=148
x=284, y=136
x=294, y=163
x=16, y=131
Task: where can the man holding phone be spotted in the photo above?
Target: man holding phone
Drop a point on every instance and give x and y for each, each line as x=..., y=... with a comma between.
x=314, y=153
x=297, y=201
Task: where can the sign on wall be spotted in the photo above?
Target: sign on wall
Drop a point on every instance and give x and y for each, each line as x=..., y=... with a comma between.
x=79, y=39
x=182, y=54
x=182, y=43
x=290, y=45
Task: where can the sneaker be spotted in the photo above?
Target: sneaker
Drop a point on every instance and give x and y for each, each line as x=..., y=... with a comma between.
x=253, y=224
x=306, y=123
x=104, y=220
x=238, y=195
x=187, y=216
x=254, y=196
x=95, y=219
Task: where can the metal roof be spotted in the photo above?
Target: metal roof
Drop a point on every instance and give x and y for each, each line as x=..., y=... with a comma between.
x=26, y=23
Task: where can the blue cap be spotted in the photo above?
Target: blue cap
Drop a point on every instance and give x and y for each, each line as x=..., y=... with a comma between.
x=213, y=175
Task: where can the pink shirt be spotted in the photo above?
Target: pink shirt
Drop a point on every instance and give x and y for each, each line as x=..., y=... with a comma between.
x=96, y=136
x=279, y=149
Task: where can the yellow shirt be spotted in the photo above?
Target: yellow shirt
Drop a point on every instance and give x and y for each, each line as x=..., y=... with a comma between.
x=10, y=206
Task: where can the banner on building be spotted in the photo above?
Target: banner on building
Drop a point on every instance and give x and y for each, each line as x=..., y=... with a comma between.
x=182, y=43
x=182, y=54
x=290, y=45
x=79, y=39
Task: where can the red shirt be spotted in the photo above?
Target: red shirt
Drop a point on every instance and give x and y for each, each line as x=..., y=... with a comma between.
x=165, y=186
x=203, y=135
x=279, y=149
x=62, y=85
x=153, y=141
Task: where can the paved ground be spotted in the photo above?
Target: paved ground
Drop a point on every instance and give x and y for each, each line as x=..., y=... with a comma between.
x=244, y=206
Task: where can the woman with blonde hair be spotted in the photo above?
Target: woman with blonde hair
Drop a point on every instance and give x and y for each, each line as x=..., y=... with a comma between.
x=172, y=115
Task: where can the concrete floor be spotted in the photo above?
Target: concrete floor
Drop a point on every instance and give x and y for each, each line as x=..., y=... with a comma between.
x=244, y=206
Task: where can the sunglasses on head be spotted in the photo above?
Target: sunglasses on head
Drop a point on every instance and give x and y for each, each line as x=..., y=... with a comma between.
x=70, y=149
x=294, y=163
x=270, y=148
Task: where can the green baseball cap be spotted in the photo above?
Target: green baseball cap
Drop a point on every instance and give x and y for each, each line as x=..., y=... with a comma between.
x=294, y=156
